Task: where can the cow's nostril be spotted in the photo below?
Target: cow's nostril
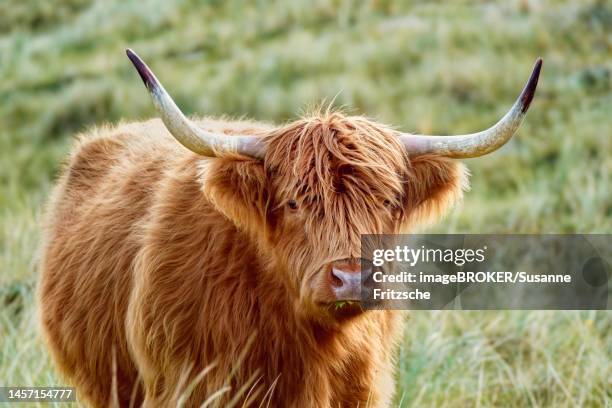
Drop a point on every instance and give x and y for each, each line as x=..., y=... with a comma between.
x=335, y=279
x=346, y=284
x=342, y=278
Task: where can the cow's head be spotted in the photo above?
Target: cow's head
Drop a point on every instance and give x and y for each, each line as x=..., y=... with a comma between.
x=306, y=191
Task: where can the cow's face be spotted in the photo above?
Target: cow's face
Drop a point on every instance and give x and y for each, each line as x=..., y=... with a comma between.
x=323, y=183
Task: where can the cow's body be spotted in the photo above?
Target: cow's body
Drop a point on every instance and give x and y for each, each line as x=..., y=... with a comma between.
x=140, y=266
x=230, y=271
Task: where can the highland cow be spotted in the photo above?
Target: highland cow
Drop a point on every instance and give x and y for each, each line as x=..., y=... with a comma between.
x=212, y=270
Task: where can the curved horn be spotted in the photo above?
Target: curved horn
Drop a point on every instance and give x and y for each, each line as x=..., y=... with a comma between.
x=187, y=132
x=481, y=143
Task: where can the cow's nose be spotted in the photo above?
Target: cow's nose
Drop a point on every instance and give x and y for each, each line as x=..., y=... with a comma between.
x=346, y=278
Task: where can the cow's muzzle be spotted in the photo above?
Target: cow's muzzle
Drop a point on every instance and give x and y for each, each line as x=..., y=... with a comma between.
x=347, y=278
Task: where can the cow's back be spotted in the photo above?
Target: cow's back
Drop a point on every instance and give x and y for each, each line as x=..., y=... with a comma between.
x=91, y=238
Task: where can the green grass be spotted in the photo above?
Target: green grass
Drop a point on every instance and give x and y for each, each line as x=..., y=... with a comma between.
x=430, y=67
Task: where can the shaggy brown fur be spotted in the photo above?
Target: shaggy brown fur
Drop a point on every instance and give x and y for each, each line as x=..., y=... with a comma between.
x=170, y=276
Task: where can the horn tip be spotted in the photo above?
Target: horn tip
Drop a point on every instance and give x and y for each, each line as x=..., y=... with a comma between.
x=529, y=90
x=143, y=70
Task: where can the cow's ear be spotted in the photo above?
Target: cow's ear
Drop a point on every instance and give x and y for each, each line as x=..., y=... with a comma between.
x=237, y=189
x=433, y=185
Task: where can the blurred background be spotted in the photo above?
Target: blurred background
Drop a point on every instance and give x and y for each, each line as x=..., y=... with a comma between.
x=421, y=66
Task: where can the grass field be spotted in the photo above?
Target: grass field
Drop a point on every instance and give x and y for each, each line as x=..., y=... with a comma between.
x=425, y=66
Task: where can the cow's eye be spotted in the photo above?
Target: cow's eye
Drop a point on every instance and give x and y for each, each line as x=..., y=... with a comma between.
x=292, y=204
x=387, y=203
